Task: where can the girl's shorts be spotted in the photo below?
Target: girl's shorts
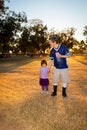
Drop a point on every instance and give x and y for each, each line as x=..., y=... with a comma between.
x=44, y=82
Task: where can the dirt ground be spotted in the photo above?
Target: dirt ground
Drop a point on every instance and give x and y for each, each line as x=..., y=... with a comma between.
x=24, y=107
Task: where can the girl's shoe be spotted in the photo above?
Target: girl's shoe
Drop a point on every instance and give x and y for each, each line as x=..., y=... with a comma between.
x=47, y=92
x=42, y=91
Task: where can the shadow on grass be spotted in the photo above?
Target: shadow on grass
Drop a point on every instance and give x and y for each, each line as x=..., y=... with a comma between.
x=82, y=61
x=10, y=64
x=44, y=112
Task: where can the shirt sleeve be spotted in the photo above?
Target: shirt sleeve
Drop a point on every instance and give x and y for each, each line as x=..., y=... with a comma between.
x=67, y=53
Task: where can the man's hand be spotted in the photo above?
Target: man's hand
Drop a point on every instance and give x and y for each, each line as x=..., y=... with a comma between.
x=58, y=55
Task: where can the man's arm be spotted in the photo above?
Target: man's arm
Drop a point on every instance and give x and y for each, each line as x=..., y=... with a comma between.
x=62, y=56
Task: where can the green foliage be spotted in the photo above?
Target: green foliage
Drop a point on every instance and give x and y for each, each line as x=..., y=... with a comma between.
x=3, y=9
x=79, y=47
x=10, y=26
x=33, y=39
x=85, y=32
x=65, y=37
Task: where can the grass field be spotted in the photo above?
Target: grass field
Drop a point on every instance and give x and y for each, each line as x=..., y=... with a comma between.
x=81, y=58
x=24, y=107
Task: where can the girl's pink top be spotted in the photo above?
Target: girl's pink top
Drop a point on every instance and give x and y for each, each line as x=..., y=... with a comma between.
x=44, y=72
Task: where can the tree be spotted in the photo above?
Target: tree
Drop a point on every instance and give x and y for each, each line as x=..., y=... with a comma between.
x=24, y=42
x=65, y=37
x=38, y=35
x=10, y=28
x=79, y=47
x=2, y=7
x=85, y=32
x=82, y=47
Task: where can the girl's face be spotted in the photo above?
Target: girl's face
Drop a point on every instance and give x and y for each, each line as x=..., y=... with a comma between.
x=44, y=65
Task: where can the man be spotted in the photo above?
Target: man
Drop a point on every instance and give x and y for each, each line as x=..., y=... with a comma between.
x=58, y=55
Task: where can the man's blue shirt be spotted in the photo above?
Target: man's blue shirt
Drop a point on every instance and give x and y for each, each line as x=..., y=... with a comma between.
x=59, y=63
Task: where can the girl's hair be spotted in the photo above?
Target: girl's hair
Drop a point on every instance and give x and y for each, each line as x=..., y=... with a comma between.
x=53, y=38
x=43, y=62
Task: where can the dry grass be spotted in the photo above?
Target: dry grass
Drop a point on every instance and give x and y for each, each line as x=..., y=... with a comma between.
x=81, y=58
x=23, y=107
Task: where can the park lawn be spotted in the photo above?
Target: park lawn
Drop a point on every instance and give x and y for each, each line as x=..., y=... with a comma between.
x=81, y=58
x=24, y=107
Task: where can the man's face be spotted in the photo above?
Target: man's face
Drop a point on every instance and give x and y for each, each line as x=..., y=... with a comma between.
x=52, y=44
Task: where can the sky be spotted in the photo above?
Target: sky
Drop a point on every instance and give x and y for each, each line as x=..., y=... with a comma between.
x=57, y=14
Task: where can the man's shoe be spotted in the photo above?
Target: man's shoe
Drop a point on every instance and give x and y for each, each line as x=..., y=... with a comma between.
x=53, y=94
x=64, y=95
x=64, y=92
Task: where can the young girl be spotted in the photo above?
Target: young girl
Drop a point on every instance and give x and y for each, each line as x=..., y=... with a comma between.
x=44, y=81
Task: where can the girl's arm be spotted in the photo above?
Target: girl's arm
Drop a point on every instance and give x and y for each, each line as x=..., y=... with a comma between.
x=39, y=74
x=50, y=64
